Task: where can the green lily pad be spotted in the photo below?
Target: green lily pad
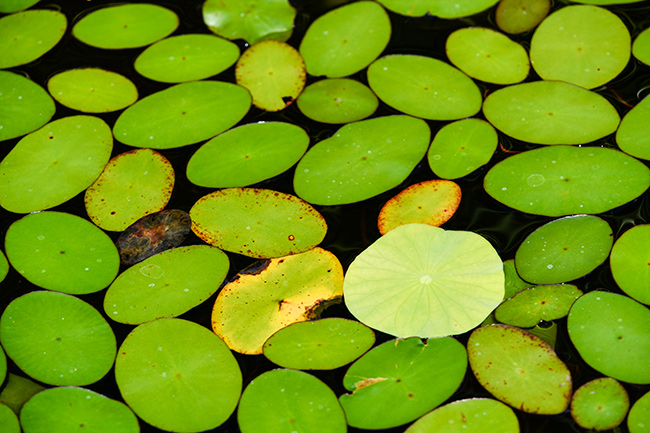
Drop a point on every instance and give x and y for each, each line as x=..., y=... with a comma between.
x=183, y=114
x=610, y=332
x=641, y=47
x=132, y=185
x=92, y=90
x=258, y=223
x=178, y=376
x=57, y=339
x=166, y=285
x=459, y=8
x=629, y=263
x=60, y=410
x=583, y=45
x=3, y=365
x=519, y=369
x=24, y=106
x=186, y=58
x=566, y=180
x=461, y=147
x=420, y=280
x=62, y=252
x=346, y=40
x=251, y=20
x=26, y=36
x=519, y=16
x=280, y=401
x=564, y=249
x=17, y=390
x=48, y=166
x=125, y=26
x=337, y=100
x=414, y=8
x=487, y=55
x=431, y=202
x=8, y=420
x=401, y=380
x=4, y=266
x=639, y=417
x=476, y=415
x=514, y=284
x=10, y=6
x=527, y=308
x=633, y=135
x=600, y=404
x=361, y=160
x=424, y=87
x=247, y=154
x=319, y=345
x=550, y=112
x=274, y=294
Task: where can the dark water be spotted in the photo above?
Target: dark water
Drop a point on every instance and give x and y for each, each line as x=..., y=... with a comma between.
x=351, y=227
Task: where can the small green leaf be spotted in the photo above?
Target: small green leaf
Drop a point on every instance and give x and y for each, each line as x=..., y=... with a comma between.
x=10, y=6
x=337, y=100
x=641, y=47
x=629, y=263
x=527, y=308
x=600, y=404
x=639, y=416
x=633, y=135
x=519, y=16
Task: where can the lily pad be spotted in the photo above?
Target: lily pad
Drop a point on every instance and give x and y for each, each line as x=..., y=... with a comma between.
x=62, y=252
x=420, y=280
x=92, y=90
x=346, y=39
x=323, y=344
x=529, y=307
x=610, y=332
x=639, y=417
x=600, y=404
x=10, y=6
x=279, y=401
x=17, y=390
x=132, y=185
x=414, y=8
x=8, y=420
x=641, y=47
x=125, y=26
x=166, y=285
x=186, y=58
x=583, y=45
x=460, y=8
x=337, y=100
x=401, y=380
x=57, y=339
x=633, y=135
x=183, y=114
x=424, y=87
x=361, y=160
x=4, y=266
x=461, y=147
x=564, y=249
x=519, y=16
x=431, y=202
x=629, y=263
x=550, y=112
x=274, y=294
x=49, y=166
x=24, y=106
x=519, y=369
x=3, y=365
x=566, y=180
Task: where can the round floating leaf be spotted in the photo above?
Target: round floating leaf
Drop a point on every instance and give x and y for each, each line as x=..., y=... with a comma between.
x=55, y=163
x=26, y=36
x=9, y=6
x=477, y=415
x=487, y=55
x=639, y=417
x=514, y=284
x=633, y=135
x=166, y=285
x=57, y=339
x=583, y=45
x=24, y=106
x=641, y=47
x=346, y=39
x=280, y=401
x=92, y=90
x=62, y=252
x=419, y=280
x=186, y=58
x=459, y=8
x=17, y=390
x=60, y=410
x=566, y=180
x=564, y=249
x=629, y=263
x=178, y=376
x=8, y=420
x=247, y=154
x=132, y=185
x=400, y=380
x=461, y=147
x=337, y=100
x=518, y=16
x=320, y=344
x=550, y=112
x=125, y=26
x=273, y=294
x=252, y=20
x=424, y=87
x=363, y=159
x=527, y=308
x=519, y=369
x=3, y=365
x=257, y=222
x=183, y=114
x=431, y=202
x=4, y=266
x=600, y=404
